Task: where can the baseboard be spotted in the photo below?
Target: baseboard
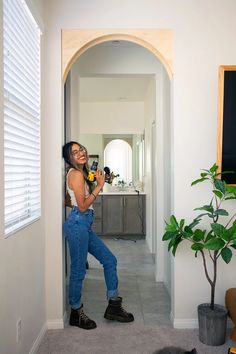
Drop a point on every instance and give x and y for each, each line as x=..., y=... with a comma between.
x=52, y=324
x=38, y=340
x=185, y=323
x=55, y=324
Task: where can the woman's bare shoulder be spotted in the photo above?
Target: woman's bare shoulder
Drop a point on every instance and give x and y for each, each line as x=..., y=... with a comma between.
x=75, y=172
x=75, y=175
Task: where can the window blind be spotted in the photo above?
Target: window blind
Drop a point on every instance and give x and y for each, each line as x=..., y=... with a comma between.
x=21, y=43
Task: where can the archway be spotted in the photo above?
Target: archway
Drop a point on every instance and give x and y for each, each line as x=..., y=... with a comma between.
x=159, y=43
x=76, y=41
x=118, y=156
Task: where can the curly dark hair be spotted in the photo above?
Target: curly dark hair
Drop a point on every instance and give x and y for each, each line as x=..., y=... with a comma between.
x=67, y=155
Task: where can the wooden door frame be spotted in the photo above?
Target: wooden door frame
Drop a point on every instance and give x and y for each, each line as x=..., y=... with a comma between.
x=74, y=42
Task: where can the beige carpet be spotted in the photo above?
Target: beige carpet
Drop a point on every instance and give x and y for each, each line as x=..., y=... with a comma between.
x=124, y=339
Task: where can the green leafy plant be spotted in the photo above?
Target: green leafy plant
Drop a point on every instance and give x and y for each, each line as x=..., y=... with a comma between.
x=218, y=239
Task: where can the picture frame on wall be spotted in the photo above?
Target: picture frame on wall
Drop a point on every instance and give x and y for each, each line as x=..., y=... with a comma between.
x=226, y=132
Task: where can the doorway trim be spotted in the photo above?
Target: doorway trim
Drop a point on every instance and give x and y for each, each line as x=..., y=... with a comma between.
x=75, y=42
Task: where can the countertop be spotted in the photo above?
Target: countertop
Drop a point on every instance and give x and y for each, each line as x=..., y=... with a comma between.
x=122, y=193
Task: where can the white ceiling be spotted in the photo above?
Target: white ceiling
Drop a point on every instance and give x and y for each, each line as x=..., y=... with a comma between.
x=114, y=88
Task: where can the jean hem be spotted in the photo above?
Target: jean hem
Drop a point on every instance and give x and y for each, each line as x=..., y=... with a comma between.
x=75, y=306
x=112, y=294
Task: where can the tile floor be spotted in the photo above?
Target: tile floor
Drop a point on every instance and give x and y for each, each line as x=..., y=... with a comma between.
x=145, y=298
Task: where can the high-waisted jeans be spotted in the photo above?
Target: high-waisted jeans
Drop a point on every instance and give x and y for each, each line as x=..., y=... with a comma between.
x=81, y=240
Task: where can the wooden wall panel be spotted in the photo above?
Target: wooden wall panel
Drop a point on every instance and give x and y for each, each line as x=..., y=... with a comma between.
x=76, y=41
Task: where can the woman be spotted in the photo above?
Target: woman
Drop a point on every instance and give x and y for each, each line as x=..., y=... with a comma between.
x=82, y=239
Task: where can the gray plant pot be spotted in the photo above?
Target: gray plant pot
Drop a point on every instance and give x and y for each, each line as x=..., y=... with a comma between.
x=212, y=324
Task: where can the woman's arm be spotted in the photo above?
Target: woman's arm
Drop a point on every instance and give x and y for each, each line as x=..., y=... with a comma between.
x=76, y=182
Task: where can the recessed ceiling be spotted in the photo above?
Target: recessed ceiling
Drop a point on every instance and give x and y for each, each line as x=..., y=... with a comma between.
x=114, y=88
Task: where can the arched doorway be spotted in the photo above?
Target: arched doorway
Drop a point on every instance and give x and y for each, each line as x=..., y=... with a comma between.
x=159, y=43
x=118, y=156
x=75, y=42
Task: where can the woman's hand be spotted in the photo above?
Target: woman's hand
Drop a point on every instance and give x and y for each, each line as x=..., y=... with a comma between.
x=100, y=178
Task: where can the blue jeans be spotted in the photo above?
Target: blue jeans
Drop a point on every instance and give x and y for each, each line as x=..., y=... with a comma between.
x=81, y=240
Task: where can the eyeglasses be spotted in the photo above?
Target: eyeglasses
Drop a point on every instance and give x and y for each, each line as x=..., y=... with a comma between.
x=80, y=151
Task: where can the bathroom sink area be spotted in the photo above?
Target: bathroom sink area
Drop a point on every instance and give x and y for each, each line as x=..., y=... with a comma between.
x=108, y=189
x=120, y=213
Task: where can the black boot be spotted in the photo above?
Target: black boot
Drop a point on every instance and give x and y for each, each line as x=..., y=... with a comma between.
x=79, y=319
x=116, y=312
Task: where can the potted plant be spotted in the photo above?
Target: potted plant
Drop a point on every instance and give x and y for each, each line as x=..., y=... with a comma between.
x=212, y=243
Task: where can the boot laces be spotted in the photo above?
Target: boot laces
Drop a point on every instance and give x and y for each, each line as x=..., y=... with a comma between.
x=84, y=317
x=123, y=310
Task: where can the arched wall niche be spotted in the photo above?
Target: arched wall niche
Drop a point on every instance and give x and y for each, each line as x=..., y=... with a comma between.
x=76, y=41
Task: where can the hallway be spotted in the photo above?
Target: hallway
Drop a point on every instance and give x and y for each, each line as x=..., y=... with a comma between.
x=146, y=299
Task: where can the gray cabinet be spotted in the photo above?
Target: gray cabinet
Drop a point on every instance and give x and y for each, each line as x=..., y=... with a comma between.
x=112, y=208
x=97, y=223
x=134, y=215
x=120, y=215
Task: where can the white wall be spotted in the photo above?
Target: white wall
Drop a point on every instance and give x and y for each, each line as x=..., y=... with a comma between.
x=111, y=117
x=22, y=265
x=150, y=155
x=167, y=164
x=72, y=106
x=204, y=36
x=54, y=170
x=94, y=145
x=125, y=58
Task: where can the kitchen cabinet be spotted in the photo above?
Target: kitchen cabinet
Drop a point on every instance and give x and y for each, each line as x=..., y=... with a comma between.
x=120, y=214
